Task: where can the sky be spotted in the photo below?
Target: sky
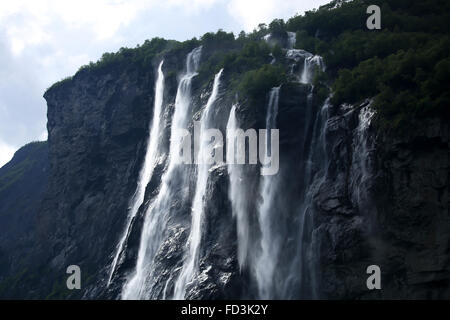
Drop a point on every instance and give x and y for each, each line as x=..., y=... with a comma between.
x=44, y=41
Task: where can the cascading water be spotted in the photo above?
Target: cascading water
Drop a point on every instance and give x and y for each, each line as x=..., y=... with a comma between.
x=310, y=63
x=302, y=269
x=150, y=161
x=279, y=276
x=137, y=286
x=266, y=260
x=281, y=252
x=361, y=158
x=190, y=263
x=291, y=40
x=237, y=195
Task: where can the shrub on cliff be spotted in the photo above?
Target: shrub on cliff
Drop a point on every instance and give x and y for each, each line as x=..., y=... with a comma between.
x=255, y=84
x=404, y=66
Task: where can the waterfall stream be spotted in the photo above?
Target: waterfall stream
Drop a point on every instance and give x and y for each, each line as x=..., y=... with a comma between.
x=291, y=40
x=276, y=277
x=302, y=268
x=150, y=161
x=266, y=260
x=237, y=195
x=275, y=230
x=309, y=68
x=156, y=215
x=190, y=263
x=361, y=158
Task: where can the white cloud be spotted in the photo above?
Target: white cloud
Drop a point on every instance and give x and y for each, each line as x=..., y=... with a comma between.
x=44, y=41
x=31, y=22
x=43, y=136
x=6, y=153
x=253, y=12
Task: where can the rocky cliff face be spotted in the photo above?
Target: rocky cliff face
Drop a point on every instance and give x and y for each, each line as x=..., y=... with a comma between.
x=399, y=220
x=412, y=198
x=348, y=197
x=97, y=125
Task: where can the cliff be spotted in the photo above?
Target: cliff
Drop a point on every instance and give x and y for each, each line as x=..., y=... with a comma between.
x=358, y=185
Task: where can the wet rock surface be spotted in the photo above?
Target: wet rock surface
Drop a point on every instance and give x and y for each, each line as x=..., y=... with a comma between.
x=366, y=197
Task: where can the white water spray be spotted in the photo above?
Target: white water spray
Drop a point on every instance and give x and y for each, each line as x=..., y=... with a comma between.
x=311, y=64
x=150, y=161
x=361, y=159
x=190, y=264
x=237, y=195
x=156, y=216
x=270, y=245
x=291, y=40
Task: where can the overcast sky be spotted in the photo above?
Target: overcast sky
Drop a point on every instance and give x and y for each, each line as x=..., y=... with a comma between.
x=43, y=41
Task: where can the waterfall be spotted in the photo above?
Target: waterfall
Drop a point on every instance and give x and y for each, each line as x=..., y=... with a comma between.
x=311, y=64
x=238, y=196
x=361, y=159
x=190, y=263
x=302, y=270
x=266, y=260
x=290, y=43
x=291, y=40
x=150, y=161
x=156, y=215
x=281, y=251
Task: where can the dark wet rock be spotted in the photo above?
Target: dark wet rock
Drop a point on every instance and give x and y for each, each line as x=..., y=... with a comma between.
x=385, y=205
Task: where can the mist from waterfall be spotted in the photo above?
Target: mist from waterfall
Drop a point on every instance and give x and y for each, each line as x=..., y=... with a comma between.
x=301, y=281
x=309, y=68
x=150, y=161
x=267, y=258
x=301, y=275
x=237, y=195
x=137, y=286
x=279, y=276
x=292, y=38
x=281, y=253
x=190, y=262
x=361, y=159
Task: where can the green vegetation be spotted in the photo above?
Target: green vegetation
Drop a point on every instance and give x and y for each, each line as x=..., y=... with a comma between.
x=23, y=164
x=404, y=67
x=248, y=68
x=140, y=58
x=256, y=83
x=12, y=281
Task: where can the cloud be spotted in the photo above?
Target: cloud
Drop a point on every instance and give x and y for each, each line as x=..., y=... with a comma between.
x=43, y=136
x=43, y=41
x=31, y=22
x=253, y=12
x=6, y=153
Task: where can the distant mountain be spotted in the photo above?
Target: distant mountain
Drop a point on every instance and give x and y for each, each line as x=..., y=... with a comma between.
x=23, y=182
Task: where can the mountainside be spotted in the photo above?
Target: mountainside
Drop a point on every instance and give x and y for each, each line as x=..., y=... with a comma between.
x=362, y=180
x=23, y=182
